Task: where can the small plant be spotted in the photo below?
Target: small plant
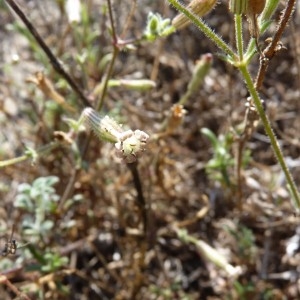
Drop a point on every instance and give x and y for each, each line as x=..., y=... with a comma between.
x=53, y=262
x=218, y=166
x=245, y=240
x=259, y=15
x=39, y=200
x=106, y=63
x=243, y=290
x=157, y=27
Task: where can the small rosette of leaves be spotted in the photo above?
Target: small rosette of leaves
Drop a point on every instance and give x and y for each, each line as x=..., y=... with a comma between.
x=157, y=27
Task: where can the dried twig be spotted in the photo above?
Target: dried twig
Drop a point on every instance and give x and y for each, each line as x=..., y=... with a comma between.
x=272, y=48
x=12, y=287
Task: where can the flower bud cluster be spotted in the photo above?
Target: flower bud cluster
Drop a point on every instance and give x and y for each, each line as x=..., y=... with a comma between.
x=129, y=144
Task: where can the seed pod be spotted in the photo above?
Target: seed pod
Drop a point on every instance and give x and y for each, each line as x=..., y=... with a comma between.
x=198, y=7
x=255, y=7
x=201, y=69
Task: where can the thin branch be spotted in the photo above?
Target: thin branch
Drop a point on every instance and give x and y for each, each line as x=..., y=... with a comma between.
x=273, y=140
x=111, y=18
x=12, y=287
x=138, y=281
x=129, y=18
x=116, y=50
x=140, y=196
x=271, y=50
x=33, y=154
x=53, y=60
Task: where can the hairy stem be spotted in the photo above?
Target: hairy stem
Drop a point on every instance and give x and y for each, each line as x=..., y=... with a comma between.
x=204, y=28
x=29, y=155
x=270, y=133
x=239, y=35
x=271, y=50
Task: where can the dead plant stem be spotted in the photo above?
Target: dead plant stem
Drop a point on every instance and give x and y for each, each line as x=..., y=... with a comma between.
x=271, y=50
x=116, y=50
x=13, y=288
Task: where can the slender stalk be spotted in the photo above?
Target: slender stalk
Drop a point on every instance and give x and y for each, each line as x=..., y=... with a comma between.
x=204, y=28
x=116, y=50
x=52, y=58
x=133, y=167
x=239, y=35
x=240, y=50
x=270, y=133
x=41, y=151
x=104, y=86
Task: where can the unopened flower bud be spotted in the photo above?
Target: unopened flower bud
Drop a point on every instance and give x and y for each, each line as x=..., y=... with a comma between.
x=133, y=84
x=255, y=7
x=201, y=69
x=197, y=7
x=131, y=145
x=104, y=127
x=157, y=27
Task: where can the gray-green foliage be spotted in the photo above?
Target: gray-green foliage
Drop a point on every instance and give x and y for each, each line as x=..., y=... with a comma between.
x=39, y=200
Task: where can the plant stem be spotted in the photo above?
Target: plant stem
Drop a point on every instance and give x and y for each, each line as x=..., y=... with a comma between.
x=271, y=50
x=116, y=51
x=41, y=151
x=204, y=28
x=133, y=167
x=52, y=58
x=270, y=133
x=239, y=35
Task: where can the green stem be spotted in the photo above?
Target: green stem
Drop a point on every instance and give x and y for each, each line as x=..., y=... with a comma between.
x=273, y=140
x=242, y=66
x=43, y=150
x=251, y=48
x=239, y=35
x=204, y=28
